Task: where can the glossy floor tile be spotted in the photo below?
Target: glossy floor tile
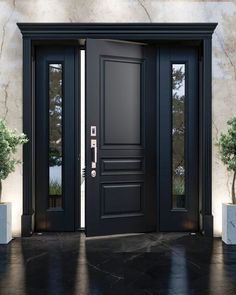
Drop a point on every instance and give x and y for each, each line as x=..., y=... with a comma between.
x=138, y=264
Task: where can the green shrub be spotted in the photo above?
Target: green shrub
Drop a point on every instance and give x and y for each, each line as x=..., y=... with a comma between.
x=9, y=140
x=227, y=150
x=54, y=188
x=178, y=185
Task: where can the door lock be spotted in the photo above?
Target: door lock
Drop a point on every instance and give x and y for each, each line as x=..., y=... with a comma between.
x=93, y=131
x=93, y=173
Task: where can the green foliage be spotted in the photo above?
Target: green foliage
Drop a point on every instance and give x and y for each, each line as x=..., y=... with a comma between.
x=227, y=146
x=9, y=140
x=54, y=188
x=178, y=129
x=55, y=158
x=178, y=186
x=227, y=150
x=178, y=78
x=55, y=115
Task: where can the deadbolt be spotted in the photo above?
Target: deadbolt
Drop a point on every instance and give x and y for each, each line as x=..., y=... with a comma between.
x=93, y=173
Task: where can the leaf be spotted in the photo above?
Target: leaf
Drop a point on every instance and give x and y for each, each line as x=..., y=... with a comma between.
x=9, y=141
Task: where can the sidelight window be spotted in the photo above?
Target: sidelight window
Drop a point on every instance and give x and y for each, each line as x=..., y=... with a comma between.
x=178, y=136
x=55, y=149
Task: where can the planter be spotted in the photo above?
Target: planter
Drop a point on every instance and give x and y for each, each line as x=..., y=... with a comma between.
x=229, y=224
x=5, y=223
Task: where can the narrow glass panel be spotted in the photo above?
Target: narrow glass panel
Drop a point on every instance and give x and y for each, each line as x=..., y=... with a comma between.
x=178, y=136
x=55, y=135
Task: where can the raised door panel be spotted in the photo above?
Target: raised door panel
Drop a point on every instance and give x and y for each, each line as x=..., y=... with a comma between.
x=121, y=101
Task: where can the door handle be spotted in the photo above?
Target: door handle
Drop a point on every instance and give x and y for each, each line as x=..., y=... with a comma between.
x=94, y=153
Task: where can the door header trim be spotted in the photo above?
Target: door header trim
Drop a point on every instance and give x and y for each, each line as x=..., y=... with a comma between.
x=119, y=30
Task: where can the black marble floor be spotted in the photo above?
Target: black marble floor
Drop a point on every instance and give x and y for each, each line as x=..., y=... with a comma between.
x=139, y=264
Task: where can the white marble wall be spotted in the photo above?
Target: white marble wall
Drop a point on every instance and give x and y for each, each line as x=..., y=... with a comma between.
x=229, y=224
x=224, y=63
x=5, y=223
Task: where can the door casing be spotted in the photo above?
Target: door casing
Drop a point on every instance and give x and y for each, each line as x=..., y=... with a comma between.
x=199, y=34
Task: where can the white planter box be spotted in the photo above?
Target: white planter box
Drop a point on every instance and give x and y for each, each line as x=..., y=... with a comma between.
x=5, y=223
x=229, y=224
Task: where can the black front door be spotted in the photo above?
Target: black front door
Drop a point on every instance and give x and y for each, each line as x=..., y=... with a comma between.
x=178, y=139
x=120, y=138
x=55, y=138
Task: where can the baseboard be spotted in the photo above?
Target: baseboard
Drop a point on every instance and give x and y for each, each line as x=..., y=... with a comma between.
x=26, y=225
x=208, y=221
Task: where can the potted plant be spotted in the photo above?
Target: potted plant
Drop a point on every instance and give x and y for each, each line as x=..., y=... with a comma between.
x=227, y=150
x=9, y=140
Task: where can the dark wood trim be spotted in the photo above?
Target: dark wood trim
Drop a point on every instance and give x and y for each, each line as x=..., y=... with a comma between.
x=206, y=140
x=117, y=30
x=132, y=31
x=77, y=116
x=158, y=137
x=28, y=150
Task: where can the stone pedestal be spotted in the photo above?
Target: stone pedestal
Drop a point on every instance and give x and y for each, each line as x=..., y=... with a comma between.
x=5, y=223
x=229, y=224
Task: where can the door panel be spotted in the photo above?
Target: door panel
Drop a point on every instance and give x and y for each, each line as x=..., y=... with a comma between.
x=120, y=102
x=178, y=139
x=121, y=96
x=55, y=138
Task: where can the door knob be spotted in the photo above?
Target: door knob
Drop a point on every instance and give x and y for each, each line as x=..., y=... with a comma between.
x=93, y=173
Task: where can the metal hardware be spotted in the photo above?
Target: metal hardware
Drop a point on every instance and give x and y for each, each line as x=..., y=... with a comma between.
x=93, y=173
x=94, y=153
x=93, y=131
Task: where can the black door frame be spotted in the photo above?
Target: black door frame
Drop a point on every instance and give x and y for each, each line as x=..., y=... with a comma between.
x=199, y=33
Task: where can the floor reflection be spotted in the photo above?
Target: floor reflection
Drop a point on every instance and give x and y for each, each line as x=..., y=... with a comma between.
x=178, y=277
x=139, y=264
x=11, y=270
x=222, y=272
x=82, y=275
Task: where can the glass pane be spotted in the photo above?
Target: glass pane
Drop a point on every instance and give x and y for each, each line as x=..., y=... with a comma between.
x=55, y=135
x=178, y=136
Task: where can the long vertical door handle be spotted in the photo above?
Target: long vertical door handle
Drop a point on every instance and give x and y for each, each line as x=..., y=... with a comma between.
x=94, y=153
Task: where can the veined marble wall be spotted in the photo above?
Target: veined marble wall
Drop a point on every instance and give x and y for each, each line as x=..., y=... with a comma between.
x=224, y=64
